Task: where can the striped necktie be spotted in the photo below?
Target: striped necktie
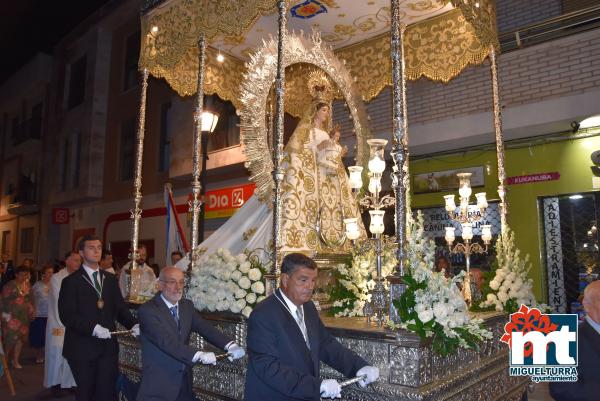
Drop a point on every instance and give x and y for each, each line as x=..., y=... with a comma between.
x=302, y=324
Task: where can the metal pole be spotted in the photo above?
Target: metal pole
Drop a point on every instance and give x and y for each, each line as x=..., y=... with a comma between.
x=399, y=153
x=278, y=147
x=499, y=140
x=136, y=212
x=203, y=187
x=194, y=204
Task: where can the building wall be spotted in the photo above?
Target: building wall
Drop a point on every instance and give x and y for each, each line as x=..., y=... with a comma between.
x=515, y=14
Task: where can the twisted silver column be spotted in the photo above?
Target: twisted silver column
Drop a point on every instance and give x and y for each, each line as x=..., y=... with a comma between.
x=399, y=153
x=499, y=140
x=278, y=147
x=136, y=212
x=194, y=204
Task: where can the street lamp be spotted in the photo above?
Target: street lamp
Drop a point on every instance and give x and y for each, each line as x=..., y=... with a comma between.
x=209, y=123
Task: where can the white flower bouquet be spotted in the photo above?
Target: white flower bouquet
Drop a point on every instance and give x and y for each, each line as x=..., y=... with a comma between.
x=356, y=278
x=510, y=286
x=225, y=282
x=432, y=305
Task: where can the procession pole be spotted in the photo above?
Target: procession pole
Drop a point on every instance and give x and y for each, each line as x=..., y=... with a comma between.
x=195, y=202
x=499, y=141
x=399, y=154
x=278, y=148
x=136, y=212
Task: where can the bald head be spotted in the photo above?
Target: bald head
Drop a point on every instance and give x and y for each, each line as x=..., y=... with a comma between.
x=591, y=300
x=171, y=283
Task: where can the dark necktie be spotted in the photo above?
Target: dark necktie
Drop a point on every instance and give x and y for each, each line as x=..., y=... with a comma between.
x=173, y=310
x=302, y=324
x=96, y=283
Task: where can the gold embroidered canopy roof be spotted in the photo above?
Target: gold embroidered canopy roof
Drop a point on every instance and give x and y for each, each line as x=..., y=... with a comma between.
x=441, y=39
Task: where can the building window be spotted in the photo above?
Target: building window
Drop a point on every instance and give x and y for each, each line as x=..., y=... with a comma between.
x=165, y=138
x=26, y=245
x=35, y=124
x=70, y=162
x=64, y=168
x=132, y=55
x=77, y=83
x=128, y=131
x=227, y=131
x=5, y=241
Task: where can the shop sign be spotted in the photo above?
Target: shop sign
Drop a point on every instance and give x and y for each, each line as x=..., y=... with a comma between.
x=60, y=215
x=435, y=219
x=533, y=178
x=557, y=297
x=224, y=202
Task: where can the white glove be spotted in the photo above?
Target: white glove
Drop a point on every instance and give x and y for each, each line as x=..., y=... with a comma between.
x=6, y=316
x=235, y=352
x=371, y=372
x=101, y=332
x=330, y=389
x=135, y=330
x=207, y=358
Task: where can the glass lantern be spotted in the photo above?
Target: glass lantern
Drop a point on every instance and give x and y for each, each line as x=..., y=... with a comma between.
x=376, y=227
x=376, y=156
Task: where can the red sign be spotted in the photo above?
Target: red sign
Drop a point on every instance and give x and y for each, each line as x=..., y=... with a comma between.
x=224, y=202
x=533, y=178
x=60, y=215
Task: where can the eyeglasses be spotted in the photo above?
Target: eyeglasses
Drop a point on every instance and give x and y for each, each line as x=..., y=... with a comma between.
x=173, y=282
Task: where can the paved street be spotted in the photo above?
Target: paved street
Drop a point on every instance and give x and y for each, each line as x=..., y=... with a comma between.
x=29, y=382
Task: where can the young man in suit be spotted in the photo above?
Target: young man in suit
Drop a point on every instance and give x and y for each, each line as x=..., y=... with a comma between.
x=587, y=386
x=287, y=340
x=88, y=305
x=166, y=323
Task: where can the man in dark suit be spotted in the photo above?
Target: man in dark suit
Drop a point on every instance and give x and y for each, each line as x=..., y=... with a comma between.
x=287, y=340
x=7, y=270
x=88, y=305
x=166, y=323
x=587, y=386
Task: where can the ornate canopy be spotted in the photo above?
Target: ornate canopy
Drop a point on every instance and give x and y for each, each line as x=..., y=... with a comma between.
x=442, y=38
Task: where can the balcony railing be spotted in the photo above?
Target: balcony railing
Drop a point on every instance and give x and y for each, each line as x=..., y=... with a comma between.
x=554, y=28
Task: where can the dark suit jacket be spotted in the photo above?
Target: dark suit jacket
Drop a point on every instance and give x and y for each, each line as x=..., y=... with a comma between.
x=280, y=365
x=166, y=355
x=78, y=311
x=587, y=387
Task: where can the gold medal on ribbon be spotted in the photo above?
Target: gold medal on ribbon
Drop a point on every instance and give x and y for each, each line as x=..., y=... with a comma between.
x=100, y=303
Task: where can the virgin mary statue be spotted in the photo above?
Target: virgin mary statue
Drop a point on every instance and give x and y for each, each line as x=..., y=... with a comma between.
x=315, y=193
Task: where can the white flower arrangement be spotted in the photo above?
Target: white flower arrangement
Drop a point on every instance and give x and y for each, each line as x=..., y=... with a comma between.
x=356, y=279
x=224, y=282
x=432, y=305
x=511, y=285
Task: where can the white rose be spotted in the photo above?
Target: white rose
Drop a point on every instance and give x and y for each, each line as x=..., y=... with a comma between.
x=244, y=267
x=247, y=310
x=494, y=284
x=258, y=287
x=225, y=274
x=491, y=297
x=419, y=308
x=259, y=299
x=239, y=293
x=251, y=298
x=426, y=315
x=440, y=310
x=254, y=274
x=241, y=258
x=245, y=283
x=236, y=275
x=241, y=303
x=235, y=308
x=502, y=296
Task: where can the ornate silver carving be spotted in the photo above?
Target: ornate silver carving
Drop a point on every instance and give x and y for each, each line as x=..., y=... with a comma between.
x=136, y=212
x=408, y=368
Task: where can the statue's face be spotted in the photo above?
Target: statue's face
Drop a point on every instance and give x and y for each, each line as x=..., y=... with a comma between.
x=322, y=114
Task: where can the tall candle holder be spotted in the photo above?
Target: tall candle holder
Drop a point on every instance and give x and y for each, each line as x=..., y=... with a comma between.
x=466, y=220
x=373, y=201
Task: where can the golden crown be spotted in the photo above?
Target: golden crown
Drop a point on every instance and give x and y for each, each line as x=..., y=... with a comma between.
x=319, y=87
